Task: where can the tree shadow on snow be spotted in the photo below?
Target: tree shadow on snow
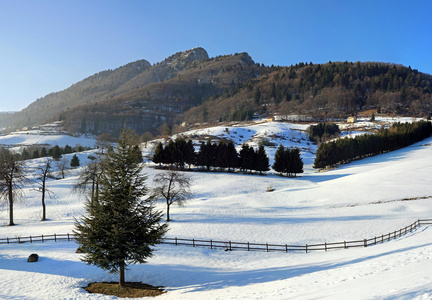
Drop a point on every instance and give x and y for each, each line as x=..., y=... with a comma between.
x=196, y=278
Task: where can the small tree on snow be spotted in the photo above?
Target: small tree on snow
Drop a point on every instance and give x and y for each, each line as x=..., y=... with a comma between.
x=173, y=187
x=44, y=173
x=75, y=161
x=62, y=165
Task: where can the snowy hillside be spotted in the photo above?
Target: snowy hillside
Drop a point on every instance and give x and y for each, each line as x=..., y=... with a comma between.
x=45, y=136
x=360, y=200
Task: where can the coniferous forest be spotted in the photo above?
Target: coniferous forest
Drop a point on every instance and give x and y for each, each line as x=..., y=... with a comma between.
x=223, y=156
x=344, y=150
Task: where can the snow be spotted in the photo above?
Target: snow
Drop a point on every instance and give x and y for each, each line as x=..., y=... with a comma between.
x=359, y=200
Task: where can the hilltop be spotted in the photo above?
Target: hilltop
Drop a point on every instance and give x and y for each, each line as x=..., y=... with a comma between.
x=190, y=87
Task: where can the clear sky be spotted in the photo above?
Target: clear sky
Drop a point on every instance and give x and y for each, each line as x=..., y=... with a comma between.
x=47, y=45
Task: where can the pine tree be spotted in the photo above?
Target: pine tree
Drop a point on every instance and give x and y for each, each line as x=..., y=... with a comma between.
x=189, y=153
x=279, y=164
x=262, y=161
x=120, y=227
x=137, y=154
x=36, y=154
x=296, y=163
x=75, y=161
x=233, y=160
x=44, y=152
x=158, y=154
x=56, y=153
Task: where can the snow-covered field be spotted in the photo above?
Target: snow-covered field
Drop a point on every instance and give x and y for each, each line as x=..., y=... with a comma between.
x=317, y=207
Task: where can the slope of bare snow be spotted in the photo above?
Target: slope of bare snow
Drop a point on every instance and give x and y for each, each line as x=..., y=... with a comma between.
x=360, y=200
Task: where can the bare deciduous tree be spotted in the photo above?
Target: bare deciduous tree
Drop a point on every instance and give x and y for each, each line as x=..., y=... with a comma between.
x=44, y=173
x=12, y=179
x=146, y=137
x=62, y=165
x=173, y=187
x=104, y=142
x=89, y=176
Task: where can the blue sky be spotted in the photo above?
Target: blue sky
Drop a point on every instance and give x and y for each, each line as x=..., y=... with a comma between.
x=46, y=46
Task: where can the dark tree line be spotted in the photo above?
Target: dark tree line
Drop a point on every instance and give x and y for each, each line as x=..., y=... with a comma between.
x=288, y=161
x=222, y=156
x=323, y=131
x=55, y=152
x=345, y=150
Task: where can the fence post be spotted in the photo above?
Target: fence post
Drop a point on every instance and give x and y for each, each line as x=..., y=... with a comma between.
x=325, y=246
x=30, y=240
x=193, y=242
x=306, y=248
x=286, y=248
x=365, y=243
x=382, y=238
x=19, y=242
x=248, y=246
x=230, y=246
x=176, y=241
x=345, y=245
x=267, y=247
x=375, y=241
x=42, y=238
x=211, y=244
x=68, y=238
x=55, y=238
x=7, y=239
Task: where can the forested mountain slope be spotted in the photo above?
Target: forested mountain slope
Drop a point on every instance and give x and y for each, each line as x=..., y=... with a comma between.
x=193, y=88
x=329, y=90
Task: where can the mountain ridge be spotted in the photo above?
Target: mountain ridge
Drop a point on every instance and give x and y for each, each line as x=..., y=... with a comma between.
x=191, y=87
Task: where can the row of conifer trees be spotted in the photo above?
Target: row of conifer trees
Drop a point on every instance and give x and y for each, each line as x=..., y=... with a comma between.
x=347, y=149
x=223, y=156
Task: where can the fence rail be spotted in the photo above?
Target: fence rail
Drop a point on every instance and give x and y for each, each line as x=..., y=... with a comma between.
x=247, y=246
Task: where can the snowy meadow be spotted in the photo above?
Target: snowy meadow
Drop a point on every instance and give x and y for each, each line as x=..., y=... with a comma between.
x=363, y=199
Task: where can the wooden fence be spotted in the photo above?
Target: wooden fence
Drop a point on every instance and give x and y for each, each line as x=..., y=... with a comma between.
x=229, y=245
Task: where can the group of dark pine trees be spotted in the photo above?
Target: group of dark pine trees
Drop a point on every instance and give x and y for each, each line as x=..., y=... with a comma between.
x=224, y=157
x=288, y=161
x=55, y=152
x=399, y=135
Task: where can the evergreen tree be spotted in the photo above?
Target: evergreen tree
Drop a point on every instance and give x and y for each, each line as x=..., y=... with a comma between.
x=247, y=158
x=36, y=154
x=44, y=152
x=137, y=154
x=56, y=152
x=120, y=228
x=189, y=153
x=74, y=161
x=67, y=149
x=233, y=160
x=262, y=160
x=279, y=164
x=24, y=154
x=158, y=156
x=296, y=163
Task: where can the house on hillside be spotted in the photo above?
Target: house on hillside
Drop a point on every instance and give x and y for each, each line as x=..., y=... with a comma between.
x=351, y=119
